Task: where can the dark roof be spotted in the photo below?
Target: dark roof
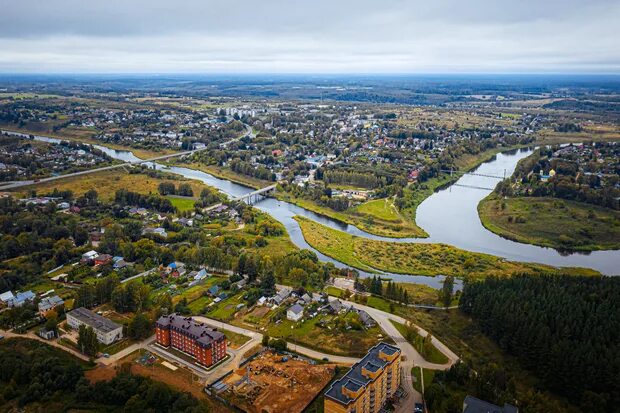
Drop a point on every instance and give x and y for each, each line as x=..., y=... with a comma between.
x=354, y=379
x=93, y=320
x=474, y=405
x=199, y=331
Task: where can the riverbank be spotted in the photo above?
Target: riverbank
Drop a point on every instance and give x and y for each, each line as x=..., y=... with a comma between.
x=224, y=173
x=414, y=258
x=551, y=222
x=365, y=216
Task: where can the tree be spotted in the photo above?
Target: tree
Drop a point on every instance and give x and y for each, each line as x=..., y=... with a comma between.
x=265, y=340
x=447, y=291
x=51, y=324
x=87, y=341
x=139, y=327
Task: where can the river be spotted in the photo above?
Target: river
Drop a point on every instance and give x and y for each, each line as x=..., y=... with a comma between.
x=449, y=216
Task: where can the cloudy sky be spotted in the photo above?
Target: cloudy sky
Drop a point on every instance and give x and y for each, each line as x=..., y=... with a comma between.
x=313, y=36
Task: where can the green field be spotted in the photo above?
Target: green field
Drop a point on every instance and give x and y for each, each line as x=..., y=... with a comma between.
x=428, y=378
x=367, y=217
x=408, y=258
x=382, y=209
x=552, y=222
x=182, y=204
x=427, y=350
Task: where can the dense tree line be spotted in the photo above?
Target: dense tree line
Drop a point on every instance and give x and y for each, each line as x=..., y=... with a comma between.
x=168, y=188
x=34, y=373
x=390, y=291
x=564, y=329
x=125, y=197
x=358, y=179
x=246, y=168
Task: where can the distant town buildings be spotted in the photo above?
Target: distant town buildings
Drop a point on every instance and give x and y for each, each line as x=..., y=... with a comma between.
x=107, y=331
x=368, y=384
x=204, y=344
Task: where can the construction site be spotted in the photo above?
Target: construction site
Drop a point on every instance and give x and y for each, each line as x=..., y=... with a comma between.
x=274, y=383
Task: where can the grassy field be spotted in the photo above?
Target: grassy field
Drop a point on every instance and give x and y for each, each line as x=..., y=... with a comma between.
x=182, y=204
x=552, y=222
x=369, y=217
x=426, y=350
x=419, y=259
x=321, y=334
x=428, y=378
x=106, y=184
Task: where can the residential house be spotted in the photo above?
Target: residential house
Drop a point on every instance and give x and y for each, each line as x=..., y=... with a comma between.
x=213, y=290
x=22, y=298
x=366, y=318
x=6, y=297
x=295, y=312
x=89, y=256
x=103, y=259
x=48, y=304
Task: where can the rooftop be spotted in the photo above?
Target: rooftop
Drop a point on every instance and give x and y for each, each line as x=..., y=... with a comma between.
x=474, y=405
x=199, y=331
x=93, y=320
x=354, y=379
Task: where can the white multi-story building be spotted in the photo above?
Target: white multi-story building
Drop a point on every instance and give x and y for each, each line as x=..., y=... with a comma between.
x=107, y=331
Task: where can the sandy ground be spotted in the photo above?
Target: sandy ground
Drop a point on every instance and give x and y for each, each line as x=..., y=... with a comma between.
x=274, y=386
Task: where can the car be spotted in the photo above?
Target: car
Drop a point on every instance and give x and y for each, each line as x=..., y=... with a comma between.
x=418, y=408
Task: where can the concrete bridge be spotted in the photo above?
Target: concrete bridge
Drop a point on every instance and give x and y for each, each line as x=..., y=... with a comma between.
x=257, y=195
x=452, y=172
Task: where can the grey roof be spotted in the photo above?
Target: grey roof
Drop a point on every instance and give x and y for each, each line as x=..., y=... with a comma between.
x=297, y=309
x=474, y=405
x=7, y=296
x=198, y=331
x=50, y=302
x=354, y=379
x=93, y=320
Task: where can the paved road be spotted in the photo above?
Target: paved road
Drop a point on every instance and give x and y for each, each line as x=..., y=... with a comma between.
x=142, y=274
x=412, y=357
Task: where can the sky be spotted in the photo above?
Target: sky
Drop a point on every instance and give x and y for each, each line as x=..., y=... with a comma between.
x=313, y=36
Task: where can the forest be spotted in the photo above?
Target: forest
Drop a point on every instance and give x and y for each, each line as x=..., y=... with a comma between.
x=565, y=330
x=34, y=373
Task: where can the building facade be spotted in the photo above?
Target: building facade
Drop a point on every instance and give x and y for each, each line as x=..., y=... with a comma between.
x=368, y=385
x=204, y=344
x=107, y=330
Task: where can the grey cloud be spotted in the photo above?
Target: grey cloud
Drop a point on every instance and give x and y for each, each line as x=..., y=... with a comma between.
x=320, y=35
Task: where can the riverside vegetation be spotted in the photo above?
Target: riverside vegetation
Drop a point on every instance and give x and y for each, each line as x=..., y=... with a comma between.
x=412, y=258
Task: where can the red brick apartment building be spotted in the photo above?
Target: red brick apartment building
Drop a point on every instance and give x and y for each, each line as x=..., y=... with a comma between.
x=204, y=344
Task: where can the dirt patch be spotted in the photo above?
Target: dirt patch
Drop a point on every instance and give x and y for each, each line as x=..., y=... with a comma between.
x=276, y=384
x=101, y=373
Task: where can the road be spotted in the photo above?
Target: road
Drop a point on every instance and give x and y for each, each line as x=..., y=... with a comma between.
x=412, y=357
x=53, y=343
x=142, y=274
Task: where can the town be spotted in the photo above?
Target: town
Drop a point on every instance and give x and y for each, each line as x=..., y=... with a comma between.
x=309, y=207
